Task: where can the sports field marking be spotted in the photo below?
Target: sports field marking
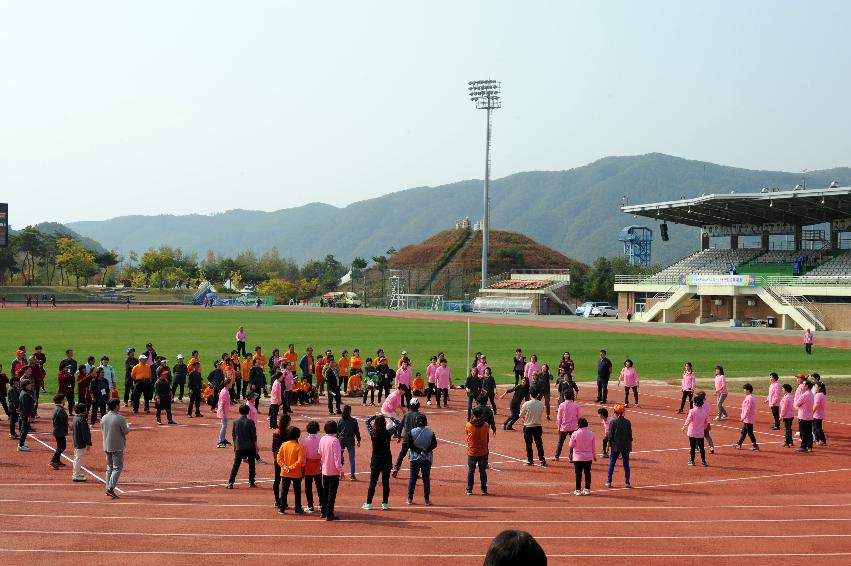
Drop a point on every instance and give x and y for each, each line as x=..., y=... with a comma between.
x=223, y=483
x=137, y=534
x=722, y=480
x=462, y=507
x=425, y=521
x=407, y=555
x=85, y=469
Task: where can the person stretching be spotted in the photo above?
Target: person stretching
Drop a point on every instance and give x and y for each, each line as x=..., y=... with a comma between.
x=520, y=393
x=567, y=419
x=381, y=460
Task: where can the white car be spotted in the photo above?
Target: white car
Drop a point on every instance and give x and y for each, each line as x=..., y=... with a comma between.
x=585, y=308
x=604, y=310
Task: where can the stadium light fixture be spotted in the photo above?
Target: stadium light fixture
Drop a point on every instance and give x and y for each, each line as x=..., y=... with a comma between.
x=822, y=198
x=486, y=95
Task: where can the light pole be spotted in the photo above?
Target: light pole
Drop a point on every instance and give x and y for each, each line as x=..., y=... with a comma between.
x=486, y=95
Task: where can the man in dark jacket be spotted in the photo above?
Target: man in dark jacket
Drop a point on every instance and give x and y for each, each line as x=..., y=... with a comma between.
x=473, y=385
x=60, y=430
x=98, y=394
x=257, y=380
x=348, y=433
x=162, y=392
x=217, y=381
x=26, y=410
x=195, y=382
x=620, y=443
x=244, y=434
x=129, y=363
x=332, y=384
x=408, y=422
x=178, y=372
x=82, y=442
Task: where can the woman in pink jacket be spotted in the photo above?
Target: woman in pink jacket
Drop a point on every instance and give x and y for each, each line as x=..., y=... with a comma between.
x=804, y=403
x=819, y=411
x=331, y=456
x=567, y=420
x=222, y=412
x=773, y=399
x=630, y=381
x=748, y=417
x=695, y=427
x=687, y=388
x=720, y=393
x=582, y=444
x=275, y=401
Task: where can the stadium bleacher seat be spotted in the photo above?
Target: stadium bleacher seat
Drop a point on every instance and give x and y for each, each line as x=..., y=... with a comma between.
x=708, y=262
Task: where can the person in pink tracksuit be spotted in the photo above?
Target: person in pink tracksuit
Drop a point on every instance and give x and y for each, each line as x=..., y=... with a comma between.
x=630, y=381
x=393, y=403
x=275, y=401
x=773, y=399
x=687, y=388
x=804, y=403
x=787, y=413
x=819, y=412
x=532, y=368
x=582, y=444
x=721, y=393
x=222, y=413
x=567, y=419
x=748, y=417
x=430, y=369
x=695, y=427
x=442, y=380
x=405, y=376
x=331, y=456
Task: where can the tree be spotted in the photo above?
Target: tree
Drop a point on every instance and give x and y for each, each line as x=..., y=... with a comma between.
x=106, y=260
x=157, y=261
x=7, y=263
x=75, y=258
x=30, y=243
x=358, y=265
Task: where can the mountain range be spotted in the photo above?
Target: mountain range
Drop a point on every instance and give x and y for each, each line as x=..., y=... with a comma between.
x=574, y=211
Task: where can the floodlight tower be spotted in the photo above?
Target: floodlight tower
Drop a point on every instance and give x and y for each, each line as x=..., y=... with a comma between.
x=486, y=95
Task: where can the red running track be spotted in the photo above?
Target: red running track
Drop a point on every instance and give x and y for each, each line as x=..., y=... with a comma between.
x=769, y=507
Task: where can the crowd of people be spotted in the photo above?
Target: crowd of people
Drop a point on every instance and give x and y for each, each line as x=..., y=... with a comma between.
x=304, y=460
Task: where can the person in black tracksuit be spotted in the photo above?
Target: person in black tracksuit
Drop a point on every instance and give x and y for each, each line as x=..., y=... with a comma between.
x=14, y=401
x=162, y=390
x=60, y=430
x=195, y=383
x=489, y=387
x=244, y=434
x=98, y=394
x=129, y=364
x=257, y=381
x=473, y=385
x=408, y=422
x=348, y=433
x=332, y=385
x=385, y=378
x=382, y=458
x=179, y=373
x=542, y=385
x=26, y=410
x=487, y=413
x=217, y=381
x=520, y=393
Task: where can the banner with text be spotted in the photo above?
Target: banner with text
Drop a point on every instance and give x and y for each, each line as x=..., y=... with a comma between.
x=718, y=279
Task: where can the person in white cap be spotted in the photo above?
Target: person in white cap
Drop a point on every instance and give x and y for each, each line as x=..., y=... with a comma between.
x=402, y=357
x=178, y=377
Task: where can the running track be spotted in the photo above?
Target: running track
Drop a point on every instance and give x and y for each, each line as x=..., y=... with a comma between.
x=769, y=507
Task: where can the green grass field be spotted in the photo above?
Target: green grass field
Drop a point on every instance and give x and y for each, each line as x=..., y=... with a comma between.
x=211, y=332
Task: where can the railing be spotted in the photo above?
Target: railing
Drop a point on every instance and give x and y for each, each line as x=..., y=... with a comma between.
x=762, y=280
x=497, y=278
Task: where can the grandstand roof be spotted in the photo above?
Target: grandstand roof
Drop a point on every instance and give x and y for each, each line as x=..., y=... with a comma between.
x=799, y=206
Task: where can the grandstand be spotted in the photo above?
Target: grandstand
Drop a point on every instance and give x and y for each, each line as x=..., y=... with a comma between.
x=772, y=258
x=526, y=291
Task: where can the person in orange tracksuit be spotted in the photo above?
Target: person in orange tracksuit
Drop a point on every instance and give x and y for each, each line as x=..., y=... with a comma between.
x=194, y=359
x=320, y=377
x=343, y=363
x=245, y=369
x=291, y=460
x=418, y=388
x=291, y=356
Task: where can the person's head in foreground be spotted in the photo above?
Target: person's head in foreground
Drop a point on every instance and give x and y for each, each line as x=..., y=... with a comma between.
x=515, y=548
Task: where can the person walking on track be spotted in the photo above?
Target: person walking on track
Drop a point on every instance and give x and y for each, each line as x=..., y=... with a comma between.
x=748, y=417
x=381, y=460
x=695, y=426
x=115, y=429
x=244, y=446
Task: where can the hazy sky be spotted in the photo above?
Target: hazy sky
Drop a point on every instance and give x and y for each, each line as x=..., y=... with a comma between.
x=110, y=108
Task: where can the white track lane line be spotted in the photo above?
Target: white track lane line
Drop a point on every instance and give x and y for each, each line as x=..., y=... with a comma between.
x=722, y=480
